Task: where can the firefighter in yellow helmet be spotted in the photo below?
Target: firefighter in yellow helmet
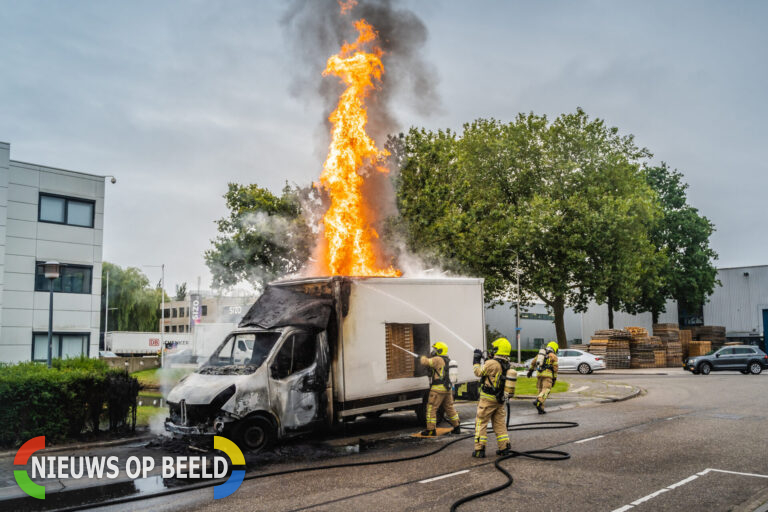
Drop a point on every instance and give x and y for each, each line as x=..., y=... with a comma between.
x=545, y=364
x=440, y=392
x=493, y=396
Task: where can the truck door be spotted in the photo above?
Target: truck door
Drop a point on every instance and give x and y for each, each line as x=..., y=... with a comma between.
x=299, y=374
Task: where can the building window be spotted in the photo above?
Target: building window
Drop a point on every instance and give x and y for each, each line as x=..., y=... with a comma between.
x=181, y=312
x=72, y=279
x=173, y=328
x=166, y=313
x=173, y=312
x=205, y=310
x=413, y=337
x=167, y=328
x=66, y=210
x=63, y=344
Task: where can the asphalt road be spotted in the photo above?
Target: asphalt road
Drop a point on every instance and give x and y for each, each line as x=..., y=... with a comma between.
x=689, y=443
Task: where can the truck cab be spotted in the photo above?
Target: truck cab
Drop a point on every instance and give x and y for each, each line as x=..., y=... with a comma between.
x=258, y=385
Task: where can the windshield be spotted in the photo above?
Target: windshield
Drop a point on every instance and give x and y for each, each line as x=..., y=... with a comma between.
x=241, y=353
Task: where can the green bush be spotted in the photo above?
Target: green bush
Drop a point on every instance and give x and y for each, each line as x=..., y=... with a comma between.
x=64, y=401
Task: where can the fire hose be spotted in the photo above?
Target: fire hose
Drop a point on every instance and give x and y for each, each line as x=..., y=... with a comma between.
x=551, y=455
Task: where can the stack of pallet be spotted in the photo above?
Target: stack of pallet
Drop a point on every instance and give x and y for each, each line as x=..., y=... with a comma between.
x=732, y=343
x=660, y=358
x=712, y=333
x=699, y=348
x=613, y=346
x=583, y=348
x=670, y=338
x=641, y=348
x=686, y=336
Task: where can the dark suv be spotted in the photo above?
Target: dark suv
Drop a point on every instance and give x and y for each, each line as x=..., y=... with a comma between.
x=744, y=358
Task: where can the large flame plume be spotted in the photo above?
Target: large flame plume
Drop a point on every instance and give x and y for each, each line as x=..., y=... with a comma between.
x=349, y=237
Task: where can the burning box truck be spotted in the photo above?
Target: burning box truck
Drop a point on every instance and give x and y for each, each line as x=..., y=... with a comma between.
x=314, y=352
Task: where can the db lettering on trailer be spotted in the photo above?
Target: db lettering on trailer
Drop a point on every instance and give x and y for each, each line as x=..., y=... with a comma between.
x=154, y=342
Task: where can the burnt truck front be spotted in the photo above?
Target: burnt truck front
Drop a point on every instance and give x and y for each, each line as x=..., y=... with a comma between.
x=266, y=380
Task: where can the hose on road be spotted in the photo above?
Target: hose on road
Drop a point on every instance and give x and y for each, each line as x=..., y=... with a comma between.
x=552, y=455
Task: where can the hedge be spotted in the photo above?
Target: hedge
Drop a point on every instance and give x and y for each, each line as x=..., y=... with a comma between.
x=62, y=402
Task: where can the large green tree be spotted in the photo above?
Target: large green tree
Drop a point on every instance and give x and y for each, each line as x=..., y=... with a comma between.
x=565, y=197
x=264, y=237
x=688, y=274
x=134, y=304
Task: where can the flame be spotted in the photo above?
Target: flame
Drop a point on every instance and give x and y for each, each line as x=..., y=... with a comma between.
x=348, y=234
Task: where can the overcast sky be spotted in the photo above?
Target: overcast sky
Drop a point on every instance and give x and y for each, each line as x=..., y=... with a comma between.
x=178, y=98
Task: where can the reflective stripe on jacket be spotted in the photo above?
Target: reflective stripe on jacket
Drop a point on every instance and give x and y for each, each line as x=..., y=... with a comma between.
x=437, y=367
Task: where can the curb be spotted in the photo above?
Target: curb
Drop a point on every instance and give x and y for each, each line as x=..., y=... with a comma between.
x=82, y=446
x=637, y=392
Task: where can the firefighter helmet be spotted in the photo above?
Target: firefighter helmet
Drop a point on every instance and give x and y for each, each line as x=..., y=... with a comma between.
x=553, y=346
x=501, y=347
x=441, y=348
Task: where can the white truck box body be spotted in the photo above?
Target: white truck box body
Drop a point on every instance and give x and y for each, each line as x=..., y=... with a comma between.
x=453, y=308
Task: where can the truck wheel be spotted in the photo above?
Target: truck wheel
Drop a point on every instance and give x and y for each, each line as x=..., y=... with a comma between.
x=705, y=368
x=255, y=434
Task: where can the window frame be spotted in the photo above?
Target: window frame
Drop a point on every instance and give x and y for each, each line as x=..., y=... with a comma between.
x=67, y=199
x=67, y=265
x=59, y=334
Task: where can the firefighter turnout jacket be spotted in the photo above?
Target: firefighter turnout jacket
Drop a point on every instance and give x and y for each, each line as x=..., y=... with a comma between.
x=438, y=372
x=545, y=363
x=492, y=378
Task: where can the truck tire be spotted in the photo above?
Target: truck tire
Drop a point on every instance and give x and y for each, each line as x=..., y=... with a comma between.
x=255, y=434
x=421, y=413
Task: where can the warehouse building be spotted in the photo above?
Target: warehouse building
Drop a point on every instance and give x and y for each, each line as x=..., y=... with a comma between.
x=49, y=214
x=537, y=324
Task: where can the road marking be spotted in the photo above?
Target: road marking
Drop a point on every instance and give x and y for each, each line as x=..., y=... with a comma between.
x=678, y=484
x=443, y=476
x=587, y=439
x=579, y=389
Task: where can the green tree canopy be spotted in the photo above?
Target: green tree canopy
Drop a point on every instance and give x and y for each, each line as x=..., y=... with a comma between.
x=688, y=274
x=136, y=304
x=264, y=237
x=567, y=197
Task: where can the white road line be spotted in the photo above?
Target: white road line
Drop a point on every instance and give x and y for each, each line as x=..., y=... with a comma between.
x=677, y=484
x=649, y=497
x=579, y=389
x=443, y=476
x=587, y=439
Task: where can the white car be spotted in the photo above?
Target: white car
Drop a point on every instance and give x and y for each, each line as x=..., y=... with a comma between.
x=583, y=362
x=569, y=359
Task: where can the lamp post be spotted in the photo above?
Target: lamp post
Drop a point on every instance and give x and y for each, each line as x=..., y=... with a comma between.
x=162, y=312
x=51, y=270
x=517, y=304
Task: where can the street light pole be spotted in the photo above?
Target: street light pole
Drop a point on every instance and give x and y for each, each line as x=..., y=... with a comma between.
x=517, y=307
x=162, y=312
x=51, y=271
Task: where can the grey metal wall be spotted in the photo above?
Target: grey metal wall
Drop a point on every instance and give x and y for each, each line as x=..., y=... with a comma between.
x=738, y=304
x=502, y=318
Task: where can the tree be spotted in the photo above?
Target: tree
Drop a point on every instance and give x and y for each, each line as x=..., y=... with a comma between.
x=181, y=291
x=263, y=238
x=567, y=197
x=136, y=304
x=682, y=234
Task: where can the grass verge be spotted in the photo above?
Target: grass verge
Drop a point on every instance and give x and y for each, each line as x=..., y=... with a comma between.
x=154, y=378
x=526, y=386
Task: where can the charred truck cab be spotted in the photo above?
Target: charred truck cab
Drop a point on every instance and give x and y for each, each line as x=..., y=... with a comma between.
x=314, y=352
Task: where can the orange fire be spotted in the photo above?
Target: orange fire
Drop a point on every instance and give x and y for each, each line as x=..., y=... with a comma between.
x=348, y=234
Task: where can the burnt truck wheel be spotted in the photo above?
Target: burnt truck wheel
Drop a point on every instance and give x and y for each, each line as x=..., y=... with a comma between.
x=254, y=434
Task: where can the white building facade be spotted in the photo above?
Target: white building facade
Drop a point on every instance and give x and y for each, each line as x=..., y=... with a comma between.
x=49, y=214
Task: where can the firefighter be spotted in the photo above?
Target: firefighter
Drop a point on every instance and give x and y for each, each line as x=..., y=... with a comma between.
x=490, y=407
x=440, y=392
x=545, y=364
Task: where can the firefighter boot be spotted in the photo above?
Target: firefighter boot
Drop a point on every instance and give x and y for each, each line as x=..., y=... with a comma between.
x=456, y=430
x=479, y=454
x=429, y=433
x=504, y=451
x=539, y=407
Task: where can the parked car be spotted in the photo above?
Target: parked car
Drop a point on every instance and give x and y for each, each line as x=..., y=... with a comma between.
x=578, y=360
x=744, y=358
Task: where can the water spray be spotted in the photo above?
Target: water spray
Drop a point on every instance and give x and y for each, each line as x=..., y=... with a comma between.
x=406, y=351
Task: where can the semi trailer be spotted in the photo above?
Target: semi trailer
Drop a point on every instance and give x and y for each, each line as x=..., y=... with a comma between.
x=318, y=351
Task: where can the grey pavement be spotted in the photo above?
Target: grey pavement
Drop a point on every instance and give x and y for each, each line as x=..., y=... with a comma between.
x=707, y=432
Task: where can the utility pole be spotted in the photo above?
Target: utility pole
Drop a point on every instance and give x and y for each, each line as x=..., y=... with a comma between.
x=162, y=315
x=517, y=307
x=106, y=314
